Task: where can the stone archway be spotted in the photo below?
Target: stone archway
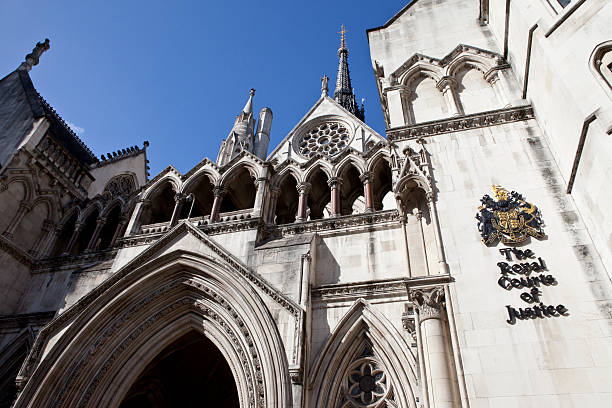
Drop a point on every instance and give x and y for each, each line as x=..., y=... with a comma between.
x=100, y=346
x=189, y=372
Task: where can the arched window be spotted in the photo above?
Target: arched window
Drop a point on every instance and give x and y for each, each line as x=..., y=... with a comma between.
x=319, y=195
x=601, y=65
x=241, y=192
x=426, y=101
x=474, y=92
x=286, y=201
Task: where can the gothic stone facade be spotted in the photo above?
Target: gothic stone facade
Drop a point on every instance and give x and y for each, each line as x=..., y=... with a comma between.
x=344, y=268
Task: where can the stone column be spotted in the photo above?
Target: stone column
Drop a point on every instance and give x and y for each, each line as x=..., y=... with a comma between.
x=501, y=93
x=179, y=199
x=448, y=85
x=303, y=190
x=438, y=381
x=219, y=192
x=134, y=224
x=43, y=237
x=274, y=194
x=433, y=213
x=77, y=230
x=48, y=243
x=122, y=221
x=92, y=245
x=334, y=184
x=368, y=193
x=260, y=185
x=23, y=209
x=419, y=217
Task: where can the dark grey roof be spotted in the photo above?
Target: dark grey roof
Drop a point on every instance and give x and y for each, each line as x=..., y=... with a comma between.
x=20, y=105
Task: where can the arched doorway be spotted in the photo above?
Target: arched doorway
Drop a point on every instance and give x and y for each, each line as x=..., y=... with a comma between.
x=191, y=372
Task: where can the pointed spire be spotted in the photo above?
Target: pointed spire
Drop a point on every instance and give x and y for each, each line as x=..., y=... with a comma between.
x=344, y=93
x=32, y=58
x=248, y=108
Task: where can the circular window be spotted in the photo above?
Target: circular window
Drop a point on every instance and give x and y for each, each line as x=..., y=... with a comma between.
x=328, y=138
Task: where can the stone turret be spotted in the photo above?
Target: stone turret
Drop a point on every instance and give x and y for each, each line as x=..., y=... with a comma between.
x=262, y=135
x=241, y=136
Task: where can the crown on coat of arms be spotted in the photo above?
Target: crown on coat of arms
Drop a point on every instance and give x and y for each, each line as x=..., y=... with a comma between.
x=508, y=218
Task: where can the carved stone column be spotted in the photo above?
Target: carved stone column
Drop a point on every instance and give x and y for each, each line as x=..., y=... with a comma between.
x=274, y=195
x=179, y=199
x=45, y=230
x=23, y=209
x=433, y=212
x=497, y=84
x=448, y=86
x=419, y=217
x=303, y=190
x=367, y=179
x=260, y=185
x=334, y=184
x=219, y=192
x=77, y=230
x=438, y=381
x=92, y=245
x=142, y=206
x=118, y=231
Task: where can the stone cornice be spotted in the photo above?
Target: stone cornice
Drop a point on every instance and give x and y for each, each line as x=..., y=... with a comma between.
x=385, y=287
x=74, y=261
x=19, y=321
x=457, y=124
x=330, y=224
x=15, y=252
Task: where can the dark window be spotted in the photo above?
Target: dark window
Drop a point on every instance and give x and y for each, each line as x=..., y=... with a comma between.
x=564, y=3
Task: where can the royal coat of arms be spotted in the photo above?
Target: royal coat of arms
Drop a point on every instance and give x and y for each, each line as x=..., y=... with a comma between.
x=508, y=218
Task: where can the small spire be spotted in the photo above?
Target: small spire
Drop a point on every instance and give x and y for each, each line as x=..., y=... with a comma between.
x=32, y=58
x=248, y=108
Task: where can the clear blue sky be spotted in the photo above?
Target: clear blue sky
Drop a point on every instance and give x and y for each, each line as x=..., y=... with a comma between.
x=177, y=73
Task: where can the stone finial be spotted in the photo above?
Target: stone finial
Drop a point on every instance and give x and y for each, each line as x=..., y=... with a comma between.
x=32, y=58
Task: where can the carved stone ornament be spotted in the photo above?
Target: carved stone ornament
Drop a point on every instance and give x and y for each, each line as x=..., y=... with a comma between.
x=508, y=218
x=429, y=302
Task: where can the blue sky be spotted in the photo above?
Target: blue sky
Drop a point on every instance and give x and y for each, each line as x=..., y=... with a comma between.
x=176, y=73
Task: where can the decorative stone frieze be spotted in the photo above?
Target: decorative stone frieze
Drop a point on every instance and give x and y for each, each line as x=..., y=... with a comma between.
x=474, y=121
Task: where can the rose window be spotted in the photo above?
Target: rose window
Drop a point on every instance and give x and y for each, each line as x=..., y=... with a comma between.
x=367, y=384
x=328, y=138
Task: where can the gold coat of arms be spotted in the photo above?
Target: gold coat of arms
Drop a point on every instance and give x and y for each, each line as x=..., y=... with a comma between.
x=508, y=218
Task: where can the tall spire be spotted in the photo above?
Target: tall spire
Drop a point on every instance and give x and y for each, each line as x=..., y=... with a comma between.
x=344, y=94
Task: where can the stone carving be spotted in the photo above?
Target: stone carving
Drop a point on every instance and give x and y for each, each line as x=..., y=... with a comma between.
x=121, y=186
x=429, y=302
x=474, y=121
x=32, y=58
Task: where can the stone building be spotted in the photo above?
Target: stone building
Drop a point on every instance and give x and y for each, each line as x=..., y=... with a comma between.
x=344, y=268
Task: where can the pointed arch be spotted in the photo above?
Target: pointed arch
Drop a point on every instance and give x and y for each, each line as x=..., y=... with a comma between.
x=169, y=177
x=206, y=171
x=479, y=62
x=321, y=165
x=350, y=159
x=290, y=171
x=245, y=163
x=112, y=334
x=359, y=328
x=418, y=70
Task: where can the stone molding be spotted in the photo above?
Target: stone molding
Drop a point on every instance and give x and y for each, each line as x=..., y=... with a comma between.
x=460, y=123
x=20, y=321
x=73, y=261
x=385, y=287
x=329, y=224
x=7, y=246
